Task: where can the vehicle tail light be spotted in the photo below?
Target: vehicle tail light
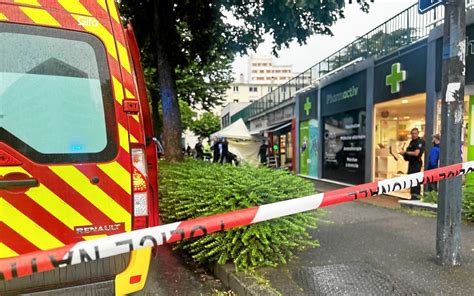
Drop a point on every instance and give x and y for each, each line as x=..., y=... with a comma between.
x=140, y=188
x=135, y=279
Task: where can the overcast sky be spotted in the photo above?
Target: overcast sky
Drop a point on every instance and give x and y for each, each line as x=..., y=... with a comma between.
x=355, y=24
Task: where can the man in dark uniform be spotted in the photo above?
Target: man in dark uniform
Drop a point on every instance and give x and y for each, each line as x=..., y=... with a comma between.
x=216, y=151
x=224, y=150
x=413, y=155
x=262, y=152
x=198, y=148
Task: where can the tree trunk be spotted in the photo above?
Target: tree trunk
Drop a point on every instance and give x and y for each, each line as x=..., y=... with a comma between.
x=157, y=124
x=163, y=11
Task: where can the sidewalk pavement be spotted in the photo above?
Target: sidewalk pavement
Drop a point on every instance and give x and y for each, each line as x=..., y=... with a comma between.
x=369, y=250
x=170, y=275
x=372, y=247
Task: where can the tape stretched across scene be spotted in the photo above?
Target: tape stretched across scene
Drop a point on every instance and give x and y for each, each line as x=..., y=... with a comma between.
x=86, y=251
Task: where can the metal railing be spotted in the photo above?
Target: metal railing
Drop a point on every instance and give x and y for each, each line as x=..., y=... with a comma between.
x=403, y=29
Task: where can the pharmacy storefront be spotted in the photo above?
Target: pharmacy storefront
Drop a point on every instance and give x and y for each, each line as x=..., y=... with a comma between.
x=308, y=134
x=399, y=106
x=364, y=114
x=343, y=116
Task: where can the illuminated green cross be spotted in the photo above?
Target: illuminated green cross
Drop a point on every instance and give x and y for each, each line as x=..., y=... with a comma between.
x=395, y=78
x=307, y=106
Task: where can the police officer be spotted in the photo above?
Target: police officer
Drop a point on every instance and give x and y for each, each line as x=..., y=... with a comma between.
x=199, y=149
x=413, y=155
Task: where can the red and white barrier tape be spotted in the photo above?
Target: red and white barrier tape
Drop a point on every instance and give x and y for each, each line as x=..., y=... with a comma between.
x=86, y=251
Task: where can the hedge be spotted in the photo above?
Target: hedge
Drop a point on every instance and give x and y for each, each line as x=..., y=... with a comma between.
x=468, y=199
x=194, y=188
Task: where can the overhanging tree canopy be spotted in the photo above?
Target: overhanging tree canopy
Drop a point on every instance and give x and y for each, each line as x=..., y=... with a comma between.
x=161, y=25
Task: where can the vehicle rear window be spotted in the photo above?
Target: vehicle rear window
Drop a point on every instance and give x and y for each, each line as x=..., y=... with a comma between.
x=55, y=95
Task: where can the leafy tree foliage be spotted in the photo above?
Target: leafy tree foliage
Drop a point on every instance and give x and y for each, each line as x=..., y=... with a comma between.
x=204, y=86
x=187, y=115
x=206, y=125
x=379, y=43
x=179, y=34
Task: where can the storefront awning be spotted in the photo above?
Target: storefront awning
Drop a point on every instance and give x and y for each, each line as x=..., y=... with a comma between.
x=255, y=132
x=279, y=127
x=270, y=128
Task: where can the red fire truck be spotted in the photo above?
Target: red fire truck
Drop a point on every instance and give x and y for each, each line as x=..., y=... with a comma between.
x=77, y=160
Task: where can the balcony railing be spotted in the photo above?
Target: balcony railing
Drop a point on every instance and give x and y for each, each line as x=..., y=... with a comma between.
x=403, y=29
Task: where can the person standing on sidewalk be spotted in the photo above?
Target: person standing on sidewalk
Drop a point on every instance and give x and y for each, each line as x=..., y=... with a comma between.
x=188, y=150
x=216, y=150
x=199, y=150
x=413, y=155
x=224, y=150
x=207, y=151
x=159, y=148
x=433, y=160
x=262, y=152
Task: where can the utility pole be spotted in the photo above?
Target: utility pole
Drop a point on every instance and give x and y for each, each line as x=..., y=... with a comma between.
x=448, y=236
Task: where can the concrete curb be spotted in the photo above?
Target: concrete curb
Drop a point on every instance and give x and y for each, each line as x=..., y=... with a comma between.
x=239, y=282
x=418, y=205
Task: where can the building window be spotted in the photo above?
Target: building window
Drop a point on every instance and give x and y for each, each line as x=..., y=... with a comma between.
x=270, y=89
x=225, y=120
x=236, y=89
x=260, y=78
x=253, y=89
x=236, y=100
x=262, y=71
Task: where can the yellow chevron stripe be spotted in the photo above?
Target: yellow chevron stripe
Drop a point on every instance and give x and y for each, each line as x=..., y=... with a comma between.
x=91, y=237
x=129, y=94
x=3, y=17
x=124, y=60
x=119, y=174
x=133, y=139
x=93, y=194
x=136, y=117
x=103, y=5
x=103, y=33
x=51, y=202
x=28, y=2
x=6, y=252
x=57, y=207
x=9, y=170
x=40, y=16
x=123, y=137
x=25, y=227
x=113, y=10
x=118, y=90
x=74, y=6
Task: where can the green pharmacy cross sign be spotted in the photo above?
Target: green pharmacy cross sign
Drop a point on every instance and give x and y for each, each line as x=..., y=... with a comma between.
x=307, y=106
x=396, y=78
